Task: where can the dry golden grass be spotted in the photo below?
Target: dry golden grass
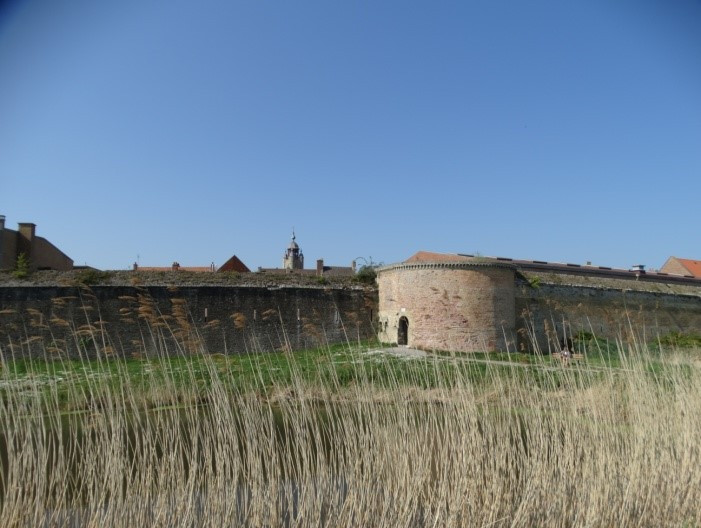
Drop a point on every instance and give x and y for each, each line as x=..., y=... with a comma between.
x=583, y=447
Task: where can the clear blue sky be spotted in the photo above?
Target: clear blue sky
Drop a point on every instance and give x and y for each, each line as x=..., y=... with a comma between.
x=190, y=131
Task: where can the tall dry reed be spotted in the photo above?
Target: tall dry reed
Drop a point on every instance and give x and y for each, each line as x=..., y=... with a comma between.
x=444, y=442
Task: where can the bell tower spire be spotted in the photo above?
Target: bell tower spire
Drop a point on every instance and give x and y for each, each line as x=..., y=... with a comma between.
x=293, y=258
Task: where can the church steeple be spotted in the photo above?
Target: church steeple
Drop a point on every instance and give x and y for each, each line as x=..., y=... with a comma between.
x=293, y=258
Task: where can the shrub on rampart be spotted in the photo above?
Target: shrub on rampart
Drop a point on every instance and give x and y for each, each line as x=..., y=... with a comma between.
x=179, y=278
x=681, y=340
x=366, y=275
x=91, y=277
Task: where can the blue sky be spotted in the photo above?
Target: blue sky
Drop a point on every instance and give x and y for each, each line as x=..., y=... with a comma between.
x=190, y=131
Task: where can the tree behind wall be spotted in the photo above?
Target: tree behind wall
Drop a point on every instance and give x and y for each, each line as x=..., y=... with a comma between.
x=21, y=266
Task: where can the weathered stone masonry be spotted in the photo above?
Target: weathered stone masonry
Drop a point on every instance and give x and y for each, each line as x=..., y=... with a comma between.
x=215, y=319
x=459, y=304
x=639, y=312
x=464, y=304
x=448, y=306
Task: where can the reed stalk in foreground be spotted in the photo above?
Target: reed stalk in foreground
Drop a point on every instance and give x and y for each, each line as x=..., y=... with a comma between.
x=366, y=441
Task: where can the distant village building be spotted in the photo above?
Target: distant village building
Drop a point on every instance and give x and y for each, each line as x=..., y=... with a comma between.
x=233, y=264
x=293, y=262
x=41, y=253
x=679, y=266
x=175, y=266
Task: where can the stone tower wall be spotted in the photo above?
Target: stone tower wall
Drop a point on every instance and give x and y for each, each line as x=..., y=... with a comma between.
x=448, y=306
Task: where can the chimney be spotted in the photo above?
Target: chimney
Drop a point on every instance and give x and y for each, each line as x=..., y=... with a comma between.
x=135, y=267
x=320, y=267
x=176, y=266
x=25, y=239
x=27, y=230
x=353, y=265
x=638, y=269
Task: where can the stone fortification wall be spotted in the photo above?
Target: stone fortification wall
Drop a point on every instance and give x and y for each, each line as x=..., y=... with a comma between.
x=552, y=306
x=466, y=303
x=478, y=304
x=142, y=320
x=448, y=306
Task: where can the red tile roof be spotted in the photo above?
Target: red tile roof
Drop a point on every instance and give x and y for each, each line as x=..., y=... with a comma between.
x=428, y=256
x=692, y=275
x=694, y=266
x=234, y=264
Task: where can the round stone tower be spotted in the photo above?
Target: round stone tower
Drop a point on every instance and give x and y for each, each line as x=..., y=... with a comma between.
x=455, y=306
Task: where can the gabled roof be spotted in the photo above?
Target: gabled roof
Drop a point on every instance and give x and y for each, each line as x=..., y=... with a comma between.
x=694, y=266
x=53, y=247
x=234, y=264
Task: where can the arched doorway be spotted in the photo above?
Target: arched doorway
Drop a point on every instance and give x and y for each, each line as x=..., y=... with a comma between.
x=403, y=331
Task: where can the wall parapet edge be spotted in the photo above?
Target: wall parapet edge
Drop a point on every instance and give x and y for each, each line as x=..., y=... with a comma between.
x=445, y=265
x=622, y=290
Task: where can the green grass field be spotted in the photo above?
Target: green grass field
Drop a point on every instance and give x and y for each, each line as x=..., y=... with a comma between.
x=72, y=382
